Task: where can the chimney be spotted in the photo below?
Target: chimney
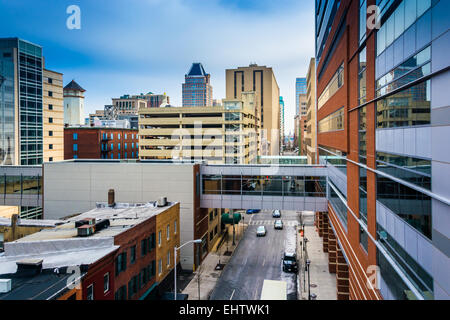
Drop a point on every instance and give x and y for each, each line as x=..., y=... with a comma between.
x=111, y=198
x=14, y=223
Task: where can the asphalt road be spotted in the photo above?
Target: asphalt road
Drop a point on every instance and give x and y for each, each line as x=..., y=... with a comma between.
x=259, y=258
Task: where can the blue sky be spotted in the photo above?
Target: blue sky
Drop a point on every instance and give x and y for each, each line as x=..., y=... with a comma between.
x=134, y=46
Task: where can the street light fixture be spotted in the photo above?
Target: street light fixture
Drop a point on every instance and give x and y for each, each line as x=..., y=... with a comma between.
x=175, y=261
x=308, y=262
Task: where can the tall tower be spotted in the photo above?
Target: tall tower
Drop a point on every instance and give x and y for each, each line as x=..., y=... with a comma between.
x=73, y=104
x=197, y=89
x=262, y=81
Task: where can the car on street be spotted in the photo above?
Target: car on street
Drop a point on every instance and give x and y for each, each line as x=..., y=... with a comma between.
x=290, y=262
x=252, y=211
x=261, y=231
x=276, y=214
x=278, y=225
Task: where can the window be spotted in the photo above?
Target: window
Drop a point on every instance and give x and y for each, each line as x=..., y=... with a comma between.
x=363, y=239
x=50, y=133
x=333, y=122
x=118, y=136
x=125, y=136
x=118, y=146
x=112, y=136
x=159, y=238
x=160, y=266
x=336, y=82
x=50, y=159
x=168, y=258
x=133, y=255
x=168, y=232
x=121, y=294
x=362, y=20
x=50, y=120
x=75, y=136
x=126, y=145
x=50, y=94
x=75, y=147
x=50, y=80
x=362, y=76
x=112, y=146
x=175, y=227
x=90, y=292
x=106, y=282
x=143, y=247
x=50, y=146
x=409, y=107
x=50, y=107
x=121, y=263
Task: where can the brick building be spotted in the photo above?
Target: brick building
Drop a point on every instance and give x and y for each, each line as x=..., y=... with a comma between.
x=100, y=143
x=382, y=113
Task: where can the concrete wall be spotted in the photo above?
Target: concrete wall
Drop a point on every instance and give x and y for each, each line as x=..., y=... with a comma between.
x=75, y=187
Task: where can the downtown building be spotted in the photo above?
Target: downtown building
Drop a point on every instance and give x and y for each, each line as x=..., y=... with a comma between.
x=117, y=251
x=197, y=89
x=262, y=81
x=300, y=117
x=31, y=110
x=222, y=134
x=128, y=105
x=383, y=116
x=101, y=142
x=311, y=127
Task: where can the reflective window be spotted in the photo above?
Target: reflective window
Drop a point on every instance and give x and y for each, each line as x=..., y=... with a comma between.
x=333, y=122
x=412, y=170
x=410, y=205
x=336, y=82
x=410, y=107
x=337, y=204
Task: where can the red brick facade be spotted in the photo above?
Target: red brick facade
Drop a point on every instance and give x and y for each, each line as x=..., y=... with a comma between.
x=100, y=143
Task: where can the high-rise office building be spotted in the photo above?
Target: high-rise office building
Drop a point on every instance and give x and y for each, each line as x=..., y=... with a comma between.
x=130, y=104
x=21, y=135
x=73, y=104
x=300, y=91
x=197, y=89
x=281, y=124
x=261, y=80
x=311, y=132
x=53, y=116
x=383, y=119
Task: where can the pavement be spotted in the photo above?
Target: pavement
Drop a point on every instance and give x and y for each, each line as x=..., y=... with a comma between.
x=259, y=258
x=207, y=272
x=323, y=283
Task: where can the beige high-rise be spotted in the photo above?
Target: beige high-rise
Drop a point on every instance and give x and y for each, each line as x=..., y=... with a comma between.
x=261, y=80
x=311, y=131
x=53, y=116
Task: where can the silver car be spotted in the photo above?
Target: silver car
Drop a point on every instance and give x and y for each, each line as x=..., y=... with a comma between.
x=278, y=225
x=261, y=231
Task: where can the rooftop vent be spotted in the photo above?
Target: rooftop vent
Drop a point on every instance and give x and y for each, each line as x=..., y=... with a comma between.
x=5, y=285
x=86, y=230
x=162, y=202
x=29, y=267
x=111, y=198
x=86, y=221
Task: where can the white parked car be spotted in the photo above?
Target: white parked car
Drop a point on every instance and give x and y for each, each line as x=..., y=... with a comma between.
x=261, y=231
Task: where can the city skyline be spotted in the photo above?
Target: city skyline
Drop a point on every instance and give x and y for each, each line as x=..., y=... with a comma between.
x=107, y=68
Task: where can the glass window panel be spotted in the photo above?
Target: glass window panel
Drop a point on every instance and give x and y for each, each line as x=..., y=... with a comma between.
x=422, y=6
x=399, y=17
x=410, y=12
x=423, y=30
x=390, y=26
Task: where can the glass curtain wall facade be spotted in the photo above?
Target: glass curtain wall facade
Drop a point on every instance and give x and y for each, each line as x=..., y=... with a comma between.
x=400, y=114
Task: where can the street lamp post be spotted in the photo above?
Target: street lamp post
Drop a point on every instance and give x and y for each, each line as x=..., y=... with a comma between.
x=308, y=262
x=175, y=261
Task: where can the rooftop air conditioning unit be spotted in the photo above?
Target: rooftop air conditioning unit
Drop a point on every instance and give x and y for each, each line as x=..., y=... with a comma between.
x=162, y=202
x=86, y=230
x=5, y=285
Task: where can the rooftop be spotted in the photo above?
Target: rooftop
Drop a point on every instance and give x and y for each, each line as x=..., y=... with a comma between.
x=197, y=70
x=121, y=217
x=74, y=86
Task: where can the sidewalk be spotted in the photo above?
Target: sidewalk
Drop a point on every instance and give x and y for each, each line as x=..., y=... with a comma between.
x=208, y=274
x=323, y=283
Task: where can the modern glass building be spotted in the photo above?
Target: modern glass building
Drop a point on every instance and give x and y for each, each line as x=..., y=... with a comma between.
x=300, y=90
x=20, y=102
x=197, y=89
x=383, y=115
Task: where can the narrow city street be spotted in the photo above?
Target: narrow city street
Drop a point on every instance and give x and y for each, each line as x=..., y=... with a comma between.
x=259, y=258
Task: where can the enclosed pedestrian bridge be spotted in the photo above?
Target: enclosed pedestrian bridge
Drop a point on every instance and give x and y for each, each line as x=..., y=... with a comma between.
x=271, y=185
x=284, y=187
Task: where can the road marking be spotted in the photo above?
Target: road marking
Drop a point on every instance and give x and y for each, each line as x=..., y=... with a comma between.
x=232, y=294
